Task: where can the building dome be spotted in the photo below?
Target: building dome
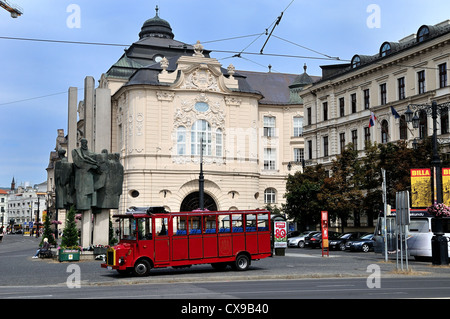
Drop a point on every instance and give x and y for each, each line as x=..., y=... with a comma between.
x=156, y=27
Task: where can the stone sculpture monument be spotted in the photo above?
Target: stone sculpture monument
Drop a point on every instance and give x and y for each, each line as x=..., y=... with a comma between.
x=93, y=184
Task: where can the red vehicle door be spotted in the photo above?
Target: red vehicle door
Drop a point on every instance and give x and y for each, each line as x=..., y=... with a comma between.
x=162, y=248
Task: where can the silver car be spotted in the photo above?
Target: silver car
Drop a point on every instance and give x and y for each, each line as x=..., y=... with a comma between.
x=299, y=241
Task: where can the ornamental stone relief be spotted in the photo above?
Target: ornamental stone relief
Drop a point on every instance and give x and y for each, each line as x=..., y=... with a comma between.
x=187, y=114
x=201, y=79
x=165, y=96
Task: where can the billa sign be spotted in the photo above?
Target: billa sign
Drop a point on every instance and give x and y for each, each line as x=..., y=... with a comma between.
x=420, y=187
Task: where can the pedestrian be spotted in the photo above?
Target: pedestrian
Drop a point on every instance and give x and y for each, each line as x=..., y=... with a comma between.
x=1, y=234
x=44, y=248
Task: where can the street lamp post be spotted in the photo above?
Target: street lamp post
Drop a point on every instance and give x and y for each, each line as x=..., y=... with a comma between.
x=439, y=246
x=201, y=180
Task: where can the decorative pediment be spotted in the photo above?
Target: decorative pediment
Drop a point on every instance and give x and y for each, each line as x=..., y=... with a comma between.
x=199, y=73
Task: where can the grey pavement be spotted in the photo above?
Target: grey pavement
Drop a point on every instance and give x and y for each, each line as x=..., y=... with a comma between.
x=17, y=268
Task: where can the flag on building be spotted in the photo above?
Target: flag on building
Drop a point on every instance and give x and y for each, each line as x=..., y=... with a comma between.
x=394, y=112
x=372, y=120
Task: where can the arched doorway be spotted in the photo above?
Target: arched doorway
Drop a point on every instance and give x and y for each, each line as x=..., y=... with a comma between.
x=191, y=202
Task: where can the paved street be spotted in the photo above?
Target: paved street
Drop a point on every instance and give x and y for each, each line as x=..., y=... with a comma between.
x=17, y=268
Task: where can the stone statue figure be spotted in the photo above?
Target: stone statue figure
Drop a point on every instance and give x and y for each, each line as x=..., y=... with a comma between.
x=109, y=184
x=85, y=166
x=63, y=181
x=92, y=181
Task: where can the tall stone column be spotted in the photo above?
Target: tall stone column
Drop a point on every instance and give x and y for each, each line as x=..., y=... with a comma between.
x=86, y=228
x=101, y=227
x=89, y=86
x=72, y=122
x=102, y=120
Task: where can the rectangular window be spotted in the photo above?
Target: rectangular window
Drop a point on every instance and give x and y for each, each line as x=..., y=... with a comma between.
x=298, y=126
x=383, y=94
x=269, y=126
x=309, y=116
x=442, y=75
x=355, y=139
x=444, y=121
x=219, y=142
x=310, y=150
x=403, y=128
x=298, y=155
x=269, y=158
x=325, y=146
x=353, y=98
x=401, y=88
x=367, y=134
x=342, y=141
x=421, y=81
x=366, y=99
x=181, y=140
x=341, y=107
x=325, y=111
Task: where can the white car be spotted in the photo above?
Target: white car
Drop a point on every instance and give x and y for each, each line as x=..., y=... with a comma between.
x=299, y=241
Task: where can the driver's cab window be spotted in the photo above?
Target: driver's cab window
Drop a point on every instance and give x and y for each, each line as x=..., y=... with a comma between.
x=145, y=229
x=128, y=229
x=161, y=227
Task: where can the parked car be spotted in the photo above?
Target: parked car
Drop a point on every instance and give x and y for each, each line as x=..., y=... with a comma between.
x=339, y=243
x=364, y=244
x=299, y=241
x=316, y=240
x=294, y=233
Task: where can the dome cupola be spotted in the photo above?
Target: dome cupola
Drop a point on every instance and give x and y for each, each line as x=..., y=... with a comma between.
x=156, y=27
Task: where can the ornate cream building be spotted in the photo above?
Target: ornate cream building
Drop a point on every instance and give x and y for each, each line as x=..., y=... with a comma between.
x=164, y=101
x=338, y=108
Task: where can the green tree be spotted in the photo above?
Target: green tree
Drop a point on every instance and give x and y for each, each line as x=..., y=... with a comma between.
x=302, y=203
x=48, y=233
x=341, y=191
x=371, y=182
x=70, y=235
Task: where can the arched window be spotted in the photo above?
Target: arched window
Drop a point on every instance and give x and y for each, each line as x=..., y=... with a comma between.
x=219, y=142
x=181, y=140
x=423, y=34
x=385, y=49
x=201, y=131
x=356, y=61
x=384, y=132
x=269, y=196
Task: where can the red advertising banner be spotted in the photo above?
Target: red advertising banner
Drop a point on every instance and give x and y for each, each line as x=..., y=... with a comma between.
x=324, y=232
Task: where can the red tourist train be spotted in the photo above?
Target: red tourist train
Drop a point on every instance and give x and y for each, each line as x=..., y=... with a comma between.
x=153, y=238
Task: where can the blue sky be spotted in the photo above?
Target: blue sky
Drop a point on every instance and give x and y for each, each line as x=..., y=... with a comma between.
x=35, y=76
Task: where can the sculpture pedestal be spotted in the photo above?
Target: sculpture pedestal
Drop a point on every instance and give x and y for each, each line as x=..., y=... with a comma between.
x=95, y=228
